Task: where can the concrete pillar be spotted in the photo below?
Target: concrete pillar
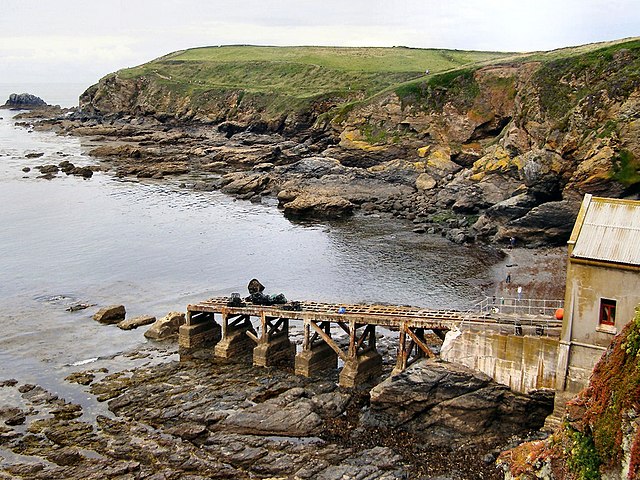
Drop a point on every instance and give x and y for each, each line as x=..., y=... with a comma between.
x=274, y=346
x=360, y=369
x=235, y=342
x=277, y=351
x=315, y=359
x=200, y=330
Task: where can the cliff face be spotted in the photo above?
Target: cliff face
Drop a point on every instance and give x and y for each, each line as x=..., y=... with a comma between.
x=600, y=437
x=146, y=96
x=518, y=144
x=510, y=146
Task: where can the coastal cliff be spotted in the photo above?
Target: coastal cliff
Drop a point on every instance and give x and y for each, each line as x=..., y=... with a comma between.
x=488, y=147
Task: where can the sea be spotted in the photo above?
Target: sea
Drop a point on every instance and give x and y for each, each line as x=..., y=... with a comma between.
x=155, y=246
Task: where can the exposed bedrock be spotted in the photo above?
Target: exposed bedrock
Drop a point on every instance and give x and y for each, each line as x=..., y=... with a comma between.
x=449, y=404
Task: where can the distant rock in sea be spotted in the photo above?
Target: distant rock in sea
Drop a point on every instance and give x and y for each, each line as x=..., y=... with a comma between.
x=24, y=101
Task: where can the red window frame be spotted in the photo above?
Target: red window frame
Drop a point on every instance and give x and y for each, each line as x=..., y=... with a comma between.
x=607, y=311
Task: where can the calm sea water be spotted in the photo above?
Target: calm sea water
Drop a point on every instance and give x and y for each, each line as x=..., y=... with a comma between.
x=156, y=247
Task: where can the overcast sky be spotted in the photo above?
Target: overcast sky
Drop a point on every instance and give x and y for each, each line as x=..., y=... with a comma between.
x=79, y=41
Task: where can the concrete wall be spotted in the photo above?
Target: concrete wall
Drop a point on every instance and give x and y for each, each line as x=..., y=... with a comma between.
x=523, y=363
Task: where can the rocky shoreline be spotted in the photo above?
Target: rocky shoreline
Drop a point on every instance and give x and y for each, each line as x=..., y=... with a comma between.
x=309, y=175
x=304, y=175
x=201, y=419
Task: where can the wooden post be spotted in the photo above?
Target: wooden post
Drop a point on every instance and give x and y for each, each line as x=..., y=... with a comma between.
x=401, y=360
x=306, y=340
x=352, y=339
x=225, y=324
x=264, y=333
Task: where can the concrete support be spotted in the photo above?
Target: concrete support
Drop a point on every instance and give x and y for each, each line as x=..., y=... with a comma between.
x=274, y=346
x=279, y=351
x=200, y=330
x=363, y=362
x=360, y=369
x=235, y=342
x=316, y=355
x=315, y=360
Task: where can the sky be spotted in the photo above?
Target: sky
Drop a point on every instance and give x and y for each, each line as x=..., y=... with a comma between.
x=79, y=41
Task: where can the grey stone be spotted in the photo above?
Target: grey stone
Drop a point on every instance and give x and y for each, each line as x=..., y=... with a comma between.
x=136, y=322
x=25, y=101
x=450, y=405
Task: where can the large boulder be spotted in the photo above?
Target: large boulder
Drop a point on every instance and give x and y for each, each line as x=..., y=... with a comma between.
x=111, y=314
x=313, y=167
x=322, y=206
x=166, y=327
x=238, y=183
x=542, y=173
x=449, y=404
x=552, y=221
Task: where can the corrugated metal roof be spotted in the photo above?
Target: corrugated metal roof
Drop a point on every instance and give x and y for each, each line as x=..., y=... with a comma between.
x=610, y=231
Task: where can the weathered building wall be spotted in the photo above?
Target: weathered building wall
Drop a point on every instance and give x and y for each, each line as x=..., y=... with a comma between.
x=523, y=363
x=587, y=284
x=583, y=339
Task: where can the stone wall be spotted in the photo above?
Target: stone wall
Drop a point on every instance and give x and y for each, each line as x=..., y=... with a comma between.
x=524, y=363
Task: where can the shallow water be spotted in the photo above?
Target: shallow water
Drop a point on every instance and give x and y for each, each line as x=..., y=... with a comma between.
x=155, y=247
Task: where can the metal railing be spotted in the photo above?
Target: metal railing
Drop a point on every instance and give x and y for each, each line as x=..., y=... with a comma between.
x=520, y=306
x=515, y=316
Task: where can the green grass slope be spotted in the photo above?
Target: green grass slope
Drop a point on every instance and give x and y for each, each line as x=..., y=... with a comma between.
x=557, y=96
x=301, y=72
x=308, y=81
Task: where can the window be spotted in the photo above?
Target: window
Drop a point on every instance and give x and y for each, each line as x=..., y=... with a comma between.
x=607, y=312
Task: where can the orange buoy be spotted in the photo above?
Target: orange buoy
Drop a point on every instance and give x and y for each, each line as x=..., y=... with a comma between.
x=559, y=313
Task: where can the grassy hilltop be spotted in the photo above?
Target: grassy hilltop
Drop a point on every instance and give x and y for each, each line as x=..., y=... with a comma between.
x=302, y=72
x=291, y=80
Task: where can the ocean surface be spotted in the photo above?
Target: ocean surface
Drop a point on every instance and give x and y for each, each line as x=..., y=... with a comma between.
x=155, y=247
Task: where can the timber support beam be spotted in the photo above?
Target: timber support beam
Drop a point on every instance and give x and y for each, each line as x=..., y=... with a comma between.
x=412, y=347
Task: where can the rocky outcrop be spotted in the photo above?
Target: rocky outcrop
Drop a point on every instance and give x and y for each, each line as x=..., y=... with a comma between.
x=537, y=131
x=24, y=101
x=187, y=420
x=448, y=404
